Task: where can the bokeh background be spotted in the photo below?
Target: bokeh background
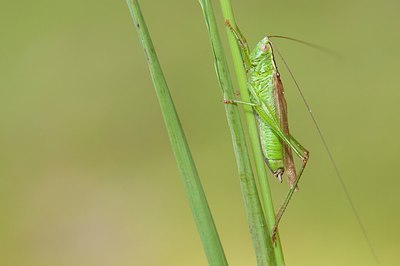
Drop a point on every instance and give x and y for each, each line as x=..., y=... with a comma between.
x=87, y=173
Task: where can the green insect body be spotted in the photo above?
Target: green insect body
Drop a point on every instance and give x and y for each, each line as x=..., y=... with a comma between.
x=265, y=85
x=269, y=105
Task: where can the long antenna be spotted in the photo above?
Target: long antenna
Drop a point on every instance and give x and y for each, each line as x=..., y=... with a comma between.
x=313, y=45
x=333, y=162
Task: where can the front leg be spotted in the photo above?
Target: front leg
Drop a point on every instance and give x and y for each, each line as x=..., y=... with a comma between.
x=244, y=47
x=240, y=102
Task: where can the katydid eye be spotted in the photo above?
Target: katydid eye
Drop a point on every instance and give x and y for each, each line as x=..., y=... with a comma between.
x=264, y=47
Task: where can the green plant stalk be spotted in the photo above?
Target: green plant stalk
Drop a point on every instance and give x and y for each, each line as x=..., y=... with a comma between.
x=259, y=233
x=194, y=191
x=253, y=130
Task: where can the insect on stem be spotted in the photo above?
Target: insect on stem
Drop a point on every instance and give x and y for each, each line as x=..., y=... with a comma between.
x=268, y=102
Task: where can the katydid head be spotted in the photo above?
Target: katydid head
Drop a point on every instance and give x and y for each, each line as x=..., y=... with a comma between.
x=263, y=48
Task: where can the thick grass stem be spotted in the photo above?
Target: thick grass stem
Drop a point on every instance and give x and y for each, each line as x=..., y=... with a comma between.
x=258, y=228
x=252, y=129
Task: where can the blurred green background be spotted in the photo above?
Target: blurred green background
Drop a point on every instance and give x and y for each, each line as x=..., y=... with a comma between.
x=87, y=173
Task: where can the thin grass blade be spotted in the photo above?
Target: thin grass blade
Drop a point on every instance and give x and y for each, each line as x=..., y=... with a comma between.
x=194, y=191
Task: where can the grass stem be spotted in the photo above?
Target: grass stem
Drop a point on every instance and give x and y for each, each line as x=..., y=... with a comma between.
x=258, y=228
x=194, y=191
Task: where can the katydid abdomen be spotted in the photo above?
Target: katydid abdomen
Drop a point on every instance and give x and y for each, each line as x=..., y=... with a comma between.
x=271, y=145
x=272, y=149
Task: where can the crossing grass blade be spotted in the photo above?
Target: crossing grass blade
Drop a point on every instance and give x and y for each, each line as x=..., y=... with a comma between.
x=194, y=191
